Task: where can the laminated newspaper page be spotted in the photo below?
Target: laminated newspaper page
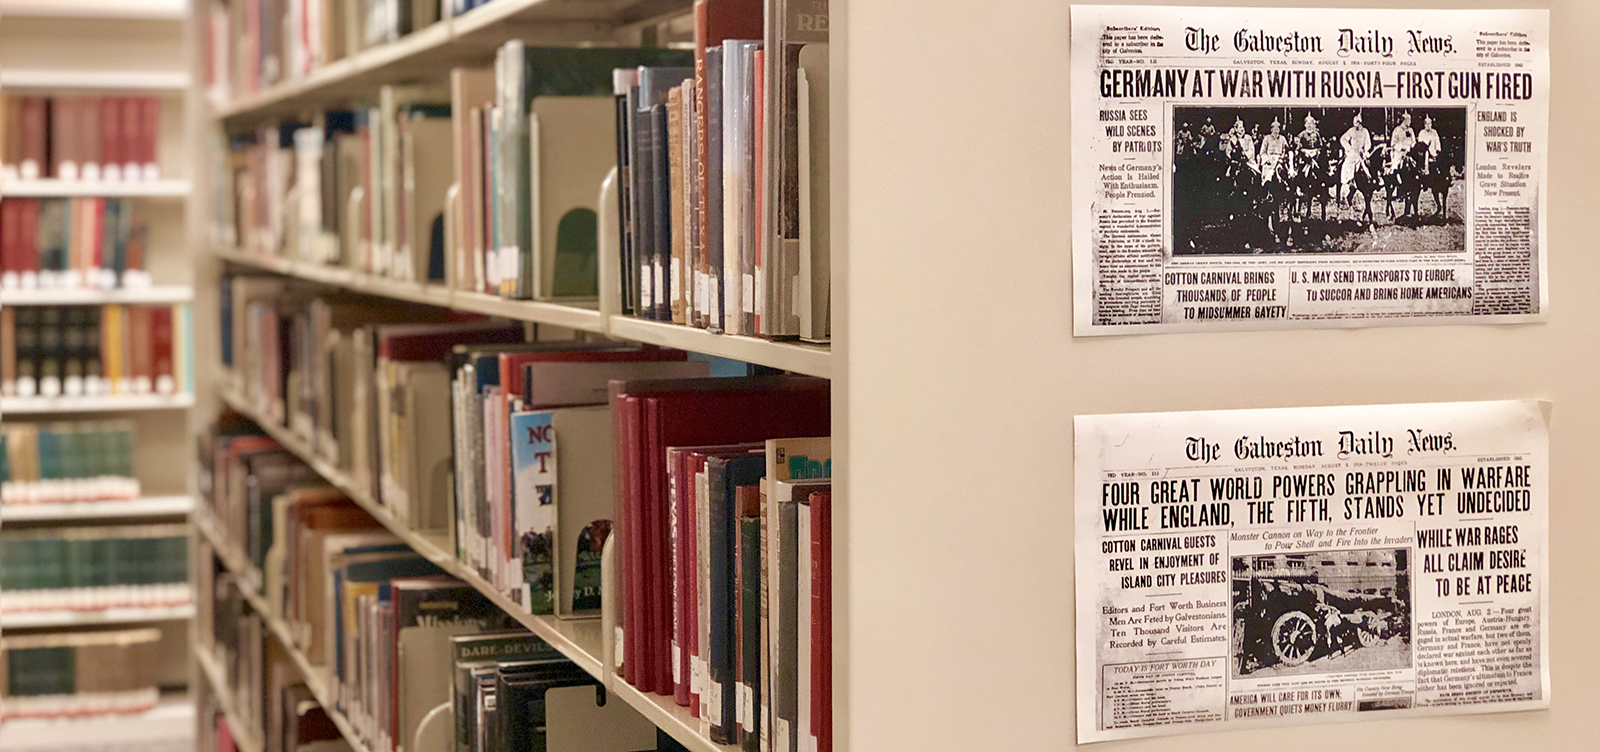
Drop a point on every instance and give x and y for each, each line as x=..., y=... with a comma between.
x=1248, y=568
x=1270, y=168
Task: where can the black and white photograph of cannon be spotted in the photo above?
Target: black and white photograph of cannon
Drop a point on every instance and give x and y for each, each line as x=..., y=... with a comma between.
x=1322, y=612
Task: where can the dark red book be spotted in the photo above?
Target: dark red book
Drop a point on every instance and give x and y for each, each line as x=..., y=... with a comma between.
x=421, y=342
x=129, y=136
x=165, y=378
x=111, y=152
x=822, y=619
x=688, y=412
x=88, y=133
x=34, y=134
x=149, y=134
x=9, y=227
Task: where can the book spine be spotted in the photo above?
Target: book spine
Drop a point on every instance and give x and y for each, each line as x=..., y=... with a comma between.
x=712, y=232
x=749, y=617
x=720, y=705
x=822, y=620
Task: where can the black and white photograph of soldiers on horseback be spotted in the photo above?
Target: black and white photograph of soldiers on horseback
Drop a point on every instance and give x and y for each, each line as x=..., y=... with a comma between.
x=1318, y=180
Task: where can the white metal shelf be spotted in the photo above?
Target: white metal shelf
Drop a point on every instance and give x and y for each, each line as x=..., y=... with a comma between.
x=161, y=10
x=55, y=188
x=147, y=506
x=813, y=360
x=32, y=619
x=110, y=404
x=473, y=35
x=13, y=78
x=174, y=712
x=578, y=639
x=246, y=737
x=120, y=296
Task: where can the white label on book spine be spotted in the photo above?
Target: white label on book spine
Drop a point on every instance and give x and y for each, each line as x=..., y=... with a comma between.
x=646, y=291
x=781, y=743
x=712, y=707
x=616, y=650
x=677, y=666
x=661, y=285
x=677, y=281
x=700, y=288
x=741, y=714
x=748, y=300
x=747, y=712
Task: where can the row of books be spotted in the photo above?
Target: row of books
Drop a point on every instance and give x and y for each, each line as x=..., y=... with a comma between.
x=73, y=243
x=77, y=351
x=79, y=674
x=45, y=463
x=262, y=686
x=723, y=185
x=94, y=567
x=724, y=182
x=250, y=46
x=551, y=444
x=91, y=138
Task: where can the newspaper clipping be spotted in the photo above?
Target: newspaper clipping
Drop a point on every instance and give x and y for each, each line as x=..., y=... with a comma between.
x=1277, y=168
x=1250, y=568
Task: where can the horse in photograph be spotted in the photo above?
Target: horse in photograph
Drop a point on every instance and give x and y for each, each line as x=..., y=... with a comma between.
x=1367, y=181
x=1424, y=172
x=1312, y=179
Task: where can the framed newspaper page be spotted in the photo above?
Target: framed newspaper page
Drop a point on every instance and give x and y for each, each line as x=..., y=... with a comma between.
x=1270, y=168
x=1248, y=568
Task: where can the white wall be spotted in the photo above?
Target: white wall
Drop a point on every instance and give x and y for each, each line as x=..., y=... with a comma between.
x=958, y=377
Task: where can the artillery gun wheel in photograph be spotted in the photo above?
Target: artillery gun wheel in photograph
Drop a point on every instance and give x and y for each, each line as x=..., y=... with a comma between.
x=1294, y=637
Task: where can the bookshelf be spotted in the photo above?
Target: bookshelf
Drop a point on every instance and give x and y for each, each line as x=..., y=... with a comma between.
x=144, y=506
x=581, y=640
x=99, y=617
x=109, y=404
x=106, y=56
x=127, y=731
x=164, y=10
x=171, y=188
x=812, y=360
x=428, y=55
x=94, y=79
x=446, y=43
x=154, y=295
x=216, y=682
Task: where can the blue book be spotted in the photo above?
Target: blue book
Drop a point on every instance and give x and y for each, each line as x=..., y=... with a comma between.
x=533, y=511
x=724, y=475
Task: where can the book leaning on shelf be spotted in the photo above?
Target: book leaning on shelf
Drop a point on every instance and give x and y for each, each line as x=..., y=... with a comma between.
x=77, y=674
x=92, y=351
x=89, y=138
x=59, y=462
x=71, y=243
x=94, y=568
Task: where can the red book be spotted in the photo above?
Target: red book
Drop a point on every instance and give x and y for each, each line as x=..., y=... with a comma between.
x=822, y=619
x=9, y=227
x=111, y=152
x=161, y=350
x=141, y=349
x=150, y=136
x=34, y=134
x=688, y=412
x=129, y=136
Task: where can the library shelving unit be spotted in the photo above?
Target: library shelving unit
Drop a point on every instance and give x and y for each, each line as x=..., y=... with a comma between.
x=428, y=54
x=119, y=48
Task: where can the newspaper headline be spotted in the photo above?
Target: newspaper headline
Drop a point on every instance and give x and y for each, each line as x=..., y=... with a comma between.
x=1276, y=168
x=1310, y=565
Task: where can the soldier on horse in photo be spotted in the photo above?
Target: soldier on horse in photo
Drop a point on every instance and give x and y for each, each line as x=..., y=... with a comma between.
x=1357, y=144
